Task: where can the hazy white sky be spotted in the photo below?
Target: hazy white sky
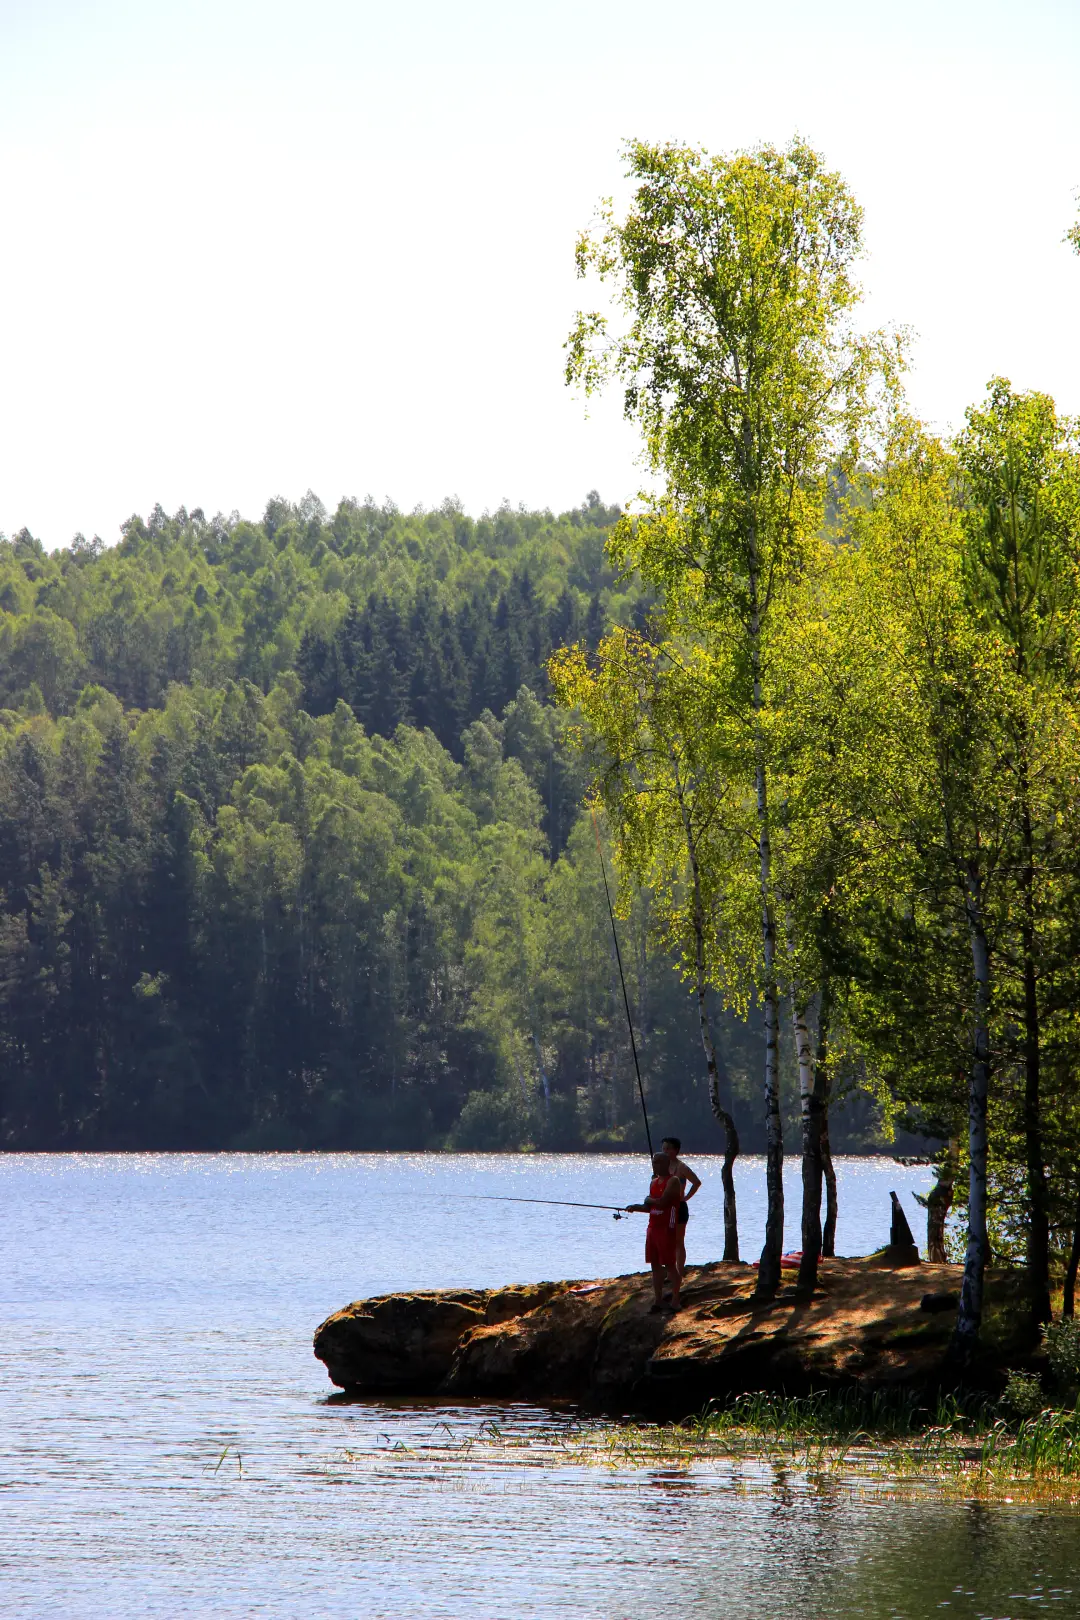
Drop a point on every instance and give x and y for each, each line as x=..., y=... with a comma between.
x=252, y=248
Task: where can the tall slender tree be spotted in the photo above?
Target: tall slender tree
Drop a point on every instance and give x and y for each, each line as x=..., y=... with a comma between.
x=927, y=777
x=733, y=281
x=1022, y=527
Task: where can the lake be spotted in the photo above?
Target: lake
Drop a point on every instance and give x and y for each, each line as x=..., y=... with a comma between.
x=169, y=1445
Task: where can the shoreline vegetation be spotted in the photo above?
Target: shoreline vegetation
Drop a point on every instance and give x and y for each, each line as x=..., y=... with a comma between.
x=892, y=1443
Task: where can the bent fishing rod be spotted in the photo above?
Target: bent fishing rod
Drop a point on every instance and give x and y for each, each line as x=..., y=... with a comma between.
x=622, y=981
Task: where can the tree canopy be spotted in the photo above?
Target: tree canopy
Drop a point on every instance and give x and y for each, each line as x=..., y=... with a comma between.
x=854, y=699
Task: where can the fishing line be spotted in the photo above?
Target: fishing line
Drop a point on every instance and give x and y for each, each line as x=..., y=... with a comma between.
x=566, y=1203
x=622, y=981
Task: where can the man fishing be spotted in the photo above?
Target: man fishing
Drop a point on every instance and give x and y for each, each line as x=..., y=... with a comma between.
x=661, y=1241
x=672, y=1146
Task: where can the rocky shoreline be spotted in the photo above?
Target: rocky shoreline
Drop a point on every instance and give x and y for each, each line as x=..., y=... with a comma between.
x=869, y=1324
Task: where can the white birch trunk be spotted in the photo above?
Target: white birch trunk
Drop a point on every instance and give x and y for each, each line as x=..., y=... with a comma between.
x=969, y=1317
x=769, y=1264
x=731, y=1135
x=810, y=1119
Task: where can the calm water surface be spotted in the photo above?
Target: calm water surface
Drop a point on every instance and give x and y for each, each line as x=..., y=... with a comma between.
x=167, y=1446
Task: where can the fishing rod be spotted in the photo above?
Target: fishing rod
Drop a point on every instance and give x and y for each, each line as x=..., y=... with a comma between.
x=622, y=981
x=567, y=1203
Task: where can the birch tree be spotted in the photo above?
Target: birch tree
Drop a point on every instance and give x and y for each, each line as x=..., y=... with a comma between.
x=1022, y=525
x=733, y=290
x=811, y=854
x=927, y=775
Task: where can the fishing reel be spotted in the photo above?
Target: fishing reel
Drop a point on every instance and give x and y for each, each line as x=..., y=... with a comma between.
x=618, y=1215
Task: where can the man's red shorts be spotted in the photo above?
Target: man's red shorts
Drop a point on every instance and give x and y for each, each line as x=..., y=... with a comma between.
x=660, y=1244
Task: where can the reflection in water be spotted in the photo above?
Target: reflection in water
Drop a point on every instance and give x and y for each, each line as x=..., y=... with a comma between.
x=739, y=1539
x=168, y=1445
x=969, y=1560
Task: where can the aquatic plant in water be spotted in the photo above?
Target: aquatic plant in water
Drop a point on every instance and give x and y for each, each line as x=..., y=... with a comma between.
x=888, y=1440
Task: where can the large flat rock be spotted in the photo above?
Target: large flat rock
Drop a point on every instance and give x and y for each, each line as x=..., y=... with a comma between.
x=399, y=1342
x=597, y=1342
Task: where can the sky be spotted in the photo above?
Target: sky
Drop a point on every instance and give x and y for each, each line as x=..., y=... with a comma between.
x=250, y=249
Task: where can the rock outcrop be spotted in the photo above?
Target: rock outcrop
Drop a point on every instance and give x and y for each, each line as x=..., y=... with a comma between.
x=407, y=1342
x=597, y=1343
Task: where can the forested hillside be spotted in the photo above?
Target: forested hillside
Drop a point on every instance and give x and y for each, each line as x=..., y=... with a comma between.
x=291, y=842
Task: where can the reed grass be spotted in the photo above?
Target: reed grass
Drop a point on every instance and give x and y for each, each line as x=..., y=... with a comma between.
x=957, y=1446
x=890, y=1441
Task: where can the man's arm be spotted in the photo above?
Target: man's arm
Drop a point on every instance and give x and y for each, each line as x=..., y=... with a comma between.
x=650, y=1203
x=672, y=1194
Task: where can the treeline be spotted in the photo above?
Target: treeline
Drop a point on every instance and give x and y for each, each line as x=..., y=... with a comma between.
x=421, y=620
x=844, y=755
x=292, y=850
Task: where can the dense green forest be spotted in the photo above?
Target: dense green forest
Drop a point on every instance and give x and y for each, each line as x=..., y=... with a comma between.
x=292, y=849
